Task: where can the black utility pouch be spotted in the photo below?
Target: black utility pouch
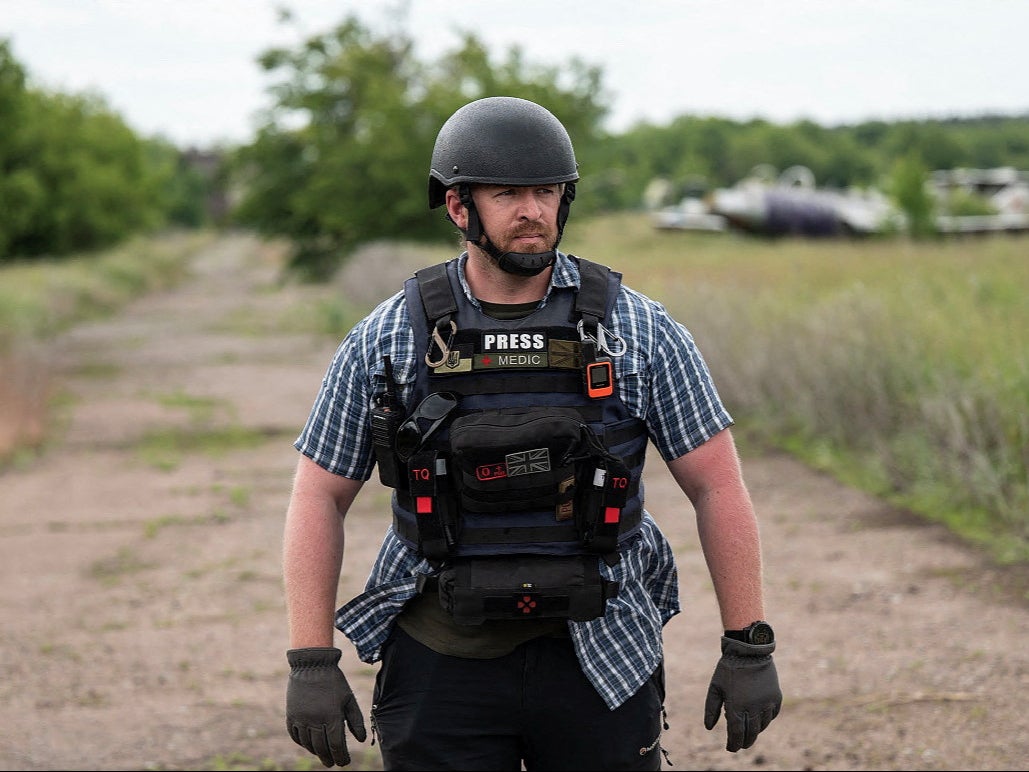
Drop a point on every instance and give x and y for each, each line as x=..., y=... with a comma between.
x=386, y=417
x=600, y=508
x=385, y=421
x=507, y=461
x=475, y=589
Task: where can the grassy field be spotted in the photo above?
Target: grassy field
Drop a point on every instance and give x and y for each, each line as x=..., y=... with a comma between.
x=901, y=368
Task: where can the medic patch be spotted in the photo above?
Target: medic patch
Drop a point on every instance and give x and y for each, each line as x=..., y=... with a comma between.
x=507, y=360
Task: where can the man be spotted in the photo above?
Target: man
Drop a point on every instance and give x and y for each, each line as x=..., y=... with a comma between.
x=508, y=396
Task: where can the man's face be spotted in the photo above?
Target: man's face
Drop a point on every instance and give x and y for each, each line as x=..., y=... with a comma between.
x=519, y=219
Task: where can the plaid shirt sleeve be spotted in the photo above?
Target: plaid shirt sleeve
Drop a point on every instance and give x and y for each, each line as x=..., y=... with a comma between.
x=337, y=435
x=663, y=377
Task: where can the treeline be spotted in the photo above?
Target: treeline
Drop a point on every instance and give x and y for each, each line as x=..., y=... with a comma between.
x=75, y=177
x=342, y=155
x=697, y=153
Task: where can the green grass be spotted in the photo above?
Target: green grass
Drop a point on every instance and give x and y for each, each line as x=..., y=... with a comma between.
x=153, y=526
x=166, y=448
x=111, y=570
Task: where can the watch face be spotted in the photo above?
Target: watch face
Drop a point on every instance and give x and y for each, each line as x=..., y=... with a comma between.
x=761, y=633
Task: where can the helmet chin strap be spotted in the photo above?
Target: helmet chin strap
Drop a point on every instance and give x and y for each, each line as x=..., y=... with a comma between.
x=517, y=263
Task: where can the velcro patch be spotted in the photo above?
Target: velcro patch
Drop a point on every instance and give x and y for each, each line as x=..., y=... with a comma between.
x=528, y=462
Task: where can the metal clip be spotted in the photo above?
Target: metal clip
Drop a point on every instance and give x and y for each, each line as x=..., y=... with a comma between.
x=601, y=340
x=443, y=347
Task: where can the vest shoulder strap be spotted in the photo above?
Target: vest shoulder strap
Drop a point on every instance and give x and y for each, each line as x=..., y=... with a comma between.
x=436, y=293
x=591, y=300
x=598, y=286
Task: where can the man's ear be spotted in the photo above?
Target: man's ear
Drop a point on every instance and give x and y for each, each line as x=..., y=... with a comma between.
x=455, y=209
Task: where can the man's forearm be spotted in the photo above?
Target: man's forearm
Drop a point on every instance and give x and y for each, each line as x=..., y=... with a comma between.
x=730, y=540
x=710, y=476
x=312, y=561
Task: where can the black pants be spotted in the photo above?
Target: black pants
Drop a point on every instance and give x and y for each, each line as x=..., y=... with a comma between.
x=436, y=712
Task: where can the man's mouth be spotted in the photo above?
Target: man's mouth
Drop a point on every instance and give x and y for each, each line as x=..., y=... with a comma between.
x=528, y=235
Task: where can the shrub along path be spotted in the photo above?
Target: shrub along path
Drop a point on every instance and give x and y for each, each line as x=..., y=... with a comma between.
x=144, y=625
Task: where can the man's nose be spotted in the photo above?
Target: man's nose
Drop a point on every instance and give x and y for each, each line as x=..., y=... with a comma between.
x=528, y=207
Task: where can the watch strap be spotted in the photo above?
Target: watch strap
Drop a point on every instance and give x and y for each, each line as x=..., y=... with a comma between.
x=746, y=635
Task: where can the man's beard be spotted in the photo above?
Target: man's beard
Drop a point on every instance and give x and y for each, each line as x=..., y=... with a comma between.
x=522, y=263
x=507, y=242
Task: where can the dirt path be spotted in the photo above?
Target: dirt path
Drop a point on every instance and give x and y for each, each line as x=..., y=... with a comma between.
x=143, y=615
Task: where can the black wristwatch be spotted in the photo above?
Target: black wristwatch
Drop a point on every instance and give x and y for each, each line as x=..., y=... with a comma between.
x=756, y=633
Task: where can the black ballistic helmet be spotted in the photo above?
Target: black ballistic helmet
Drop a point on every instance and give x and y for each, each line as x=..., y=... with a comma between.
x=503, y=141
x=500, y=141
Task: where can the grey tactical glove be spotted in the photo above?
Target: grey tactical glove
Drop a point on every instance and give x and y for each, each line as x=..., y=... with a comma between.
x=318, y=702
x=746, y=682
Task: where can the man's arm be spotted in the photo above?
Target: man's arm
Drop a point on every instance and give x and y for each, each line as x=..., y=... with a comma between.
x=319, y=701
x=710, y=476
x=312, y=551
x=745, y=682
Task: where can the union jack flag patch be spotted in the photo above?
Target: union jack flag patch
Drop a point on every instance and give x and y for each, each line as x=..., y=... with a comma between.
x=528, y=462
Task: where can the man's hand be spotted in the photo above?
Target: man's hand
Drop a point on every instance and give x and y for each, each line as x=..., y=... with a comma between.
x=318, y=701
x=746, y=682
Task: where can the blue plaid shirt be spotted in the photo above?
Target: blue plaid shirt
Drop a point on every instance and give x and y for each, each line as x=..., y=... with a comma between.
x=663, y=380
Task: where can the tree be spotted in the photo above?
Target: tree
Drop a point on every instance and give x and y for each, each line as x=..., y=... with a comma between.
x=73, y=175
x=20, y=189
x=908, y=188
x=343, y=155
x=96, y=186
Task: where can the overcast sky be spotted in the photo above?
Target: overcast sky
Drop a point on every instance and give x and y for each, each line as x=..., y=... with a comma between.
x=186, y=69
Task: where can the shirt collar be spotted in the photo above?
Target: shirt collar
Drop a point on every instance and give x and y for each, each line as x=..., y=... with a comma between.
x=566, y=272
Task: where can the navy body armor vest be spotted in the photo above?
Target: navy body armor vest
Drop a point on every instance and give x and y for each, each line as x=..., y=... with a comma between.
x=517, y=463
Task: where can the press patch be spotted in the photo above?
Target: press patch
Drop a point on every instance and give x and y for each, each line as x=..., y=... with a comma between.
x=512, y=350
x=514, y=341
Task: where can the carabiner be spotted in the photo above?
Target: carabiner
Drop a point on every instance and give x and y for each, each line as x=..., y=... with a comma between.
x=444, y=348
x=601, y=340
